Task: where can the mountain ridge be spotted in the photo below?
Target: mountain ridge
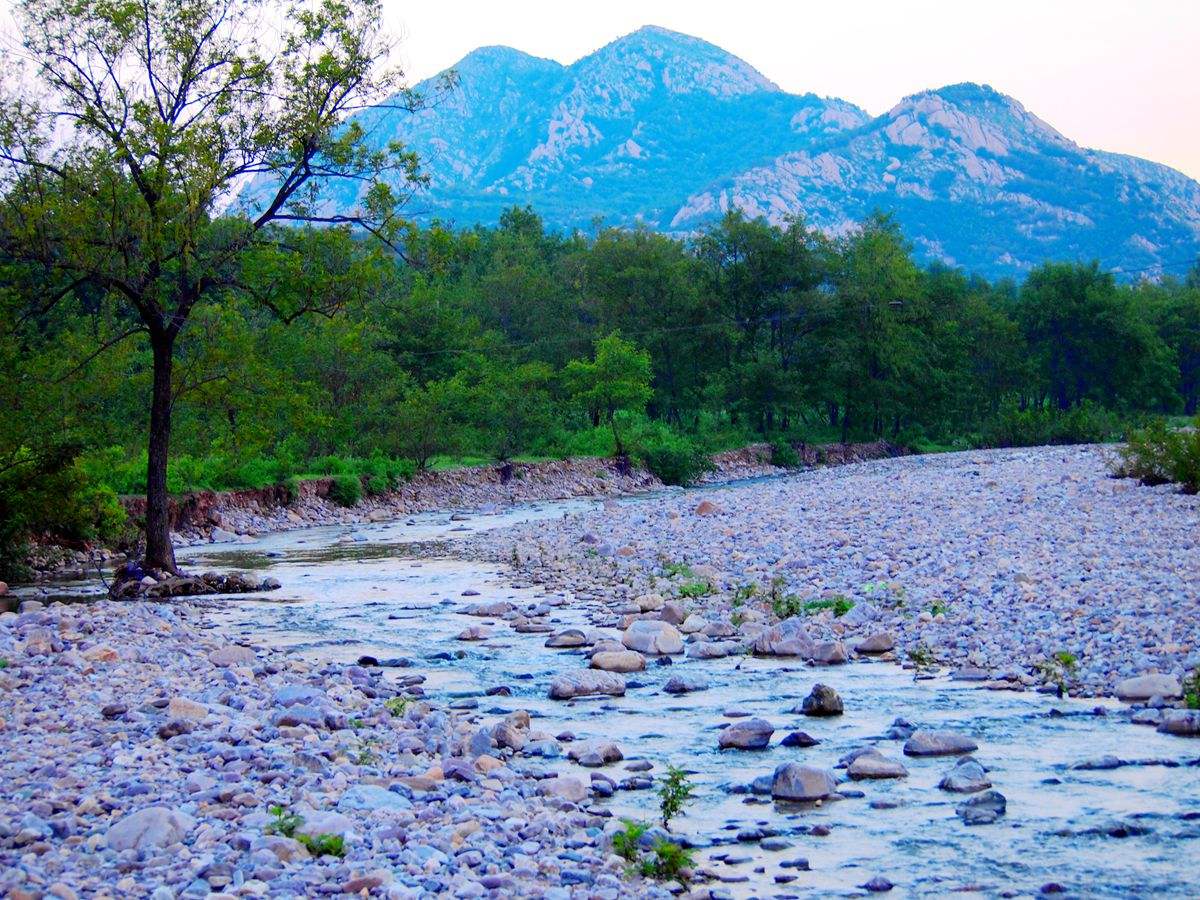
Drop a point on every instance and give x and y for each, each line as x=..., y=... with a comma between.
x=666, y=130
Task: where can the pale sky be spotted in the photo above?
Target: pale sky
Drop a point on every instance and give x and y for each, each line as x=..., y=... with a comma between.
x=1120, y=75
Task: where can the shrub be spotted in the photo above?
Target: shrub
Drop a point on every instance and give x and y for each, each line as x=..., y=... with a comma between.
x=377, y=484
x=291, y=487
x=1158, y=454
x=674, y=794
x=669, y=861
x=672, y=457
x=346, y=490
x=784, y=455
x=1086, y=423
x=625, y=842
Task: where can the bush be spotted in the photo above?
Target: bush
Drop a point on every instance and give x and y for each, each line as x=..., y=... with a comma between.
x=346, y=490
x=291, y=487
x=50, y=493
x=1087, y=423
x=377, y=484
x=1158, y=454
x=784, y=455
x=672, y=457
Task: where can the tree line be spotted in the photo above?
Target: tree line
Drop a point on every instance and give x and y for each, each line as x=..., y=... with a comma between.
x=159, y=337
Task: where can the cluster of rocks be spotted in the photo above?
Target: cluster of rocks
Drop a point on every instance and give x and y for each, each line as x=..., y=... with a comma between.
x=145, y=756
x=993, y=564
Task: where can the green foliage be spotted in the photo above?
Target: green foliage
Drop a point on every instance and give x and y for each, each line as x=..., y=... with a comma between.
x=46, y=491
x=615, y=380
x=292, y=486
x=1159, y=454
x=1086, y=423
x=284, y=822
x=695, y=589
x=672, y=457
x=1191, y=689
x=669, y=861
x=838, y=604
x=921, y=657
x=678, y=570
x=1058, y=669
x=673, y=794
x=346, y=490
x=3, y=663
x=323, y=844
x=625, y=841
x=396, y=705
x=784, y=455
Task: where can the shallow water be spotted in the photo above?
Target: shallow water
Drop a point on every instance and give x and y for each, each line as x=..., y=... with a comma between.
x=391, y=590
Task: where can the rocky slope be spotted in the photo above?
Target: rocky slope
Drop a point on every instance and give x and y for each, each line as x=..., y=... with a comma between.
x=670, y=131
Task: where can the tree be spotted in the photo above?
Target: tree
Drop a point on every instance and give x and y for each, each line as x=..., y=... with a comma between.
x=142, y=117
x=616, y=380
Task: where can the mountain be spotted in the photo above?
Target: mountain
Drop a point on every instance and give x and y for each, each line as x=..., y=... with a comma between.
x=670, y=131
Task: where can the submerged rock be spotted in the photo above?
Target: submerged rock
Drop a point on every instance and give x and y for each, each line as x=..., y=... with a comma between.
x=585, y=682
x=983, y=809
x=746, y=734
x=927, y=742
x=967, y=777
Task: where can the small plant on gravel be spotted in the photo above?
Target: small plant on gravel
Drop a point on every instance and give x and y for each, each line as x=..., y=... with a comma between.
x=736, y=618
x=674, y=794
x=838, y=604
x=670, y=862
x=3, y=663
x=695, y=589
x=1191, y=690
x=323, y=844
x=683, y=570
x=786, y=606
x=283, y=821
x=625, y=841
x=922, y=658
x=1058, y=669
x=938, y=608
x=515, y=561
x=356, y=723
x=396, y=705
x=364, y=752
x=743, y=593
x=885, y=593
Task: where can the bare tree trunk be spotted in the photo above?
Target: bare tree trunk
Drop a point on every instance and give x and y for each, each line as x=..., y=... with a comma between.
x=159, y=552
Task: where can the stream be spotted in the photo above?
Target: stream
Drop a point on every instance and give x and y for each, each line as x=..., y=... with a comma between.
x=394, y=590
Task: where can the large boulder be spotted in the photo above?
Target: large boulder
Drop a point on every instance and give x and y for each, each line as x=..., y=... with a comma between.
x=788, y=638
x=564, y=787
x=802, y=784
x=967, y=777
x=822, y=700
x=619, y=661
x=586, y=682
x=873, y=764
x=232, y=655
x=150, y=828
x=829, y=653
x=653, y=636
x=1152, y=684
x=1182, y=722
x=879, y=642
x=568, y=637
x=747, y=734
x=927, y=742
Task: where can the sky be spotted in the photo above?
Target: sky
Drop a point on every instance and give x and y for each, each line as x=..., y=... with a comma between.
x=1120, y=75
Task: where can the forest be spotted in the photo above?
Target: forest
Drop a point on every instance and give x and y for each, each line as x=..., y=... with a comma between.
x=485, y=345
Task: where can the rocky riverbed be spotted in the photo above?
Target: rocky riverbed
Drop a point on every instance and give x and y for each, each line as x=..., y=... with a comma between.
x=480, y=728
x=992, y=563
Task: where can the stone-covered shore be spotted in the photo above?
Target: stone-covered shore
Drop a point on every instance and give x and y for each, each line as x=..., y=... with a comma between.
x=986, y=562
x=141, y=755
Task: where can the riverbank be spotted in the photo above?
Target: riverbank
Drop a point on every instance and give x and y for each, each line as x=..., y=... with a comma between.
x=239, y=516
x=988, y=562
x=143, y=755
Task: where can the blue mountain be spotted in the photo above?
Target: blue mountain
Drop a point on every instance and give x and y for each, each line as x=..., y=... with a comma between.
x=668, y=131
